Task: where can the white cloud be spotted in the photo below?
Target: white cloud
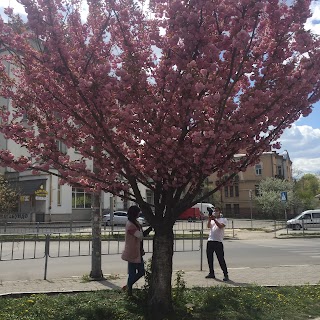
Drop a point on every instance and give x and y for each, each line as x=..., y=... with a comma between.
x=18, y=8
x=313, y=23
x=306, y=165
x=303, y=145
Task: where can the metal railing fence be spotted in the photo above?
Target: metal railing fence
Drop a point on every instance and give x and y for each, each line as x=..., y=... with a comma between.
x=188, y=237
x=32, y=246
x=86, y=226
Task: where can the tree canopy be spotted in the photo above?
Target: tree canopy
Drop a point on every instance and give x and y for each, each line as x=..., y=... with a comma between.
x=8, y=198
x=163, y=97
x=306, y=188
x=269, y=200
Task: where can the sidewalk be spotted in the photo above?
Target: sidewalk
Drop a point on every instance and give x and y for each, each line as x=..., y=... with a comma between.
x=268, y=276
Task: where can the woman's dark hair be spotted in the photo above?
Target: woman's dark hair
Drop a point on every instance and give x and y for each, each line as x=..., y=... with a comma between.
x=133, y=214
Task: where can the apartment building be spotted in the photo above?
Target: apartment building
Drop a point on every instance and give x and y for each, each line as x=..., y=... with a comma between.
x=236, y=199
x=43, y=199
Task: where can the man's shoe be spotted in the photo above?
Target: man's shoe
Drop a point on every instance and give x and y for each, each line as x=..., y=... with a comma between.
x=210, y=276
x=226, y=278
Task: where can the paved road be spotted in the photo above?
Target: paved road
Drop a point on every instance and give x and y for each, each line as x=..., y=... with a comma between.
x=240, y=254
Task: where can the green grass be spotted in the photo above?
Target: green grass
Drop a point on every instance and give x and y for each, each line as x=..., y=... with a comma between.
x=301, y=235
x=219, y=303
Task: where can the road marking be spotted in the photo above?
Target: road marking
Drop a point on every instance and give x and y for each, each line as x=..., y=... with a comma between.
x=293, y=265
x=304, y=251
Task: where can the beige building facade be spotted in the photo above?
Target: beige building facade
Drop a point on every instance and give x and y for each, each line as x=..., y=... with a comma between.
x=236, y=199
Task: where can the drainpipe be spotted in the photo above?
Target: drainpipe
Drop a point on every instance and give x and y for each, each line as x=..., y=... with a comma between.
x=50, y=196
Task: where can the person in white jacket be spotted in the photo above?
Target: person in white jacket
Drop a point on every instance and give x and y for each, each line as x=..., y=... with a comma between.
x=133, y=249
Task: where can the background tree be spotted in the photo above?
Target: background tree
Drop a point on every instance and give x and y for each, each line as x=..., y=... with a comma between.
x=9, y=198
x=205, y=189
x=162, y=98
x=269, y=201
x=306, y=188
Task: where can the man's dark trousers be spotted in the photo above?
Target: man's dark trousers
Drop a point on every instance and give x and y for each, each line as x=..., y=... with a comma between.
x=216, y=247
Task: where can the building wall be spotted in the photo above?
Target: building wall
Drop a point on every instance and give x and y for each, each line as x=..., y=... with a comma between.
x=240, y=203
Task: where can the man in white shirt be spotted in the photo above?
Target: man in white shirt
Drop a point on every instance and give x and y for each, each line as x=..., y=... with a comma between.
x=216, y=223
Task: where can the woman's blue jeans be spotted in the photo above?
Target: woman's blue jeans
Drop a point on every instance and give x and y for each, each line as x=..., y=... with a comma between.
x=135, y=272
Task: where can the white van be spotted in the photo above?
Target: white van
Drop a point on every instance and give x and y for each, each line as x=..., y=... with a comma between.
x=306, y=219
x=203, y=206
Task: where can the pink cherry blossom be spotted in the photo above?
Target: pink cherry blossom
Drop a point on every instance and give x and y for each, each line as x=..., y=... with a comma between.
x=162, y=98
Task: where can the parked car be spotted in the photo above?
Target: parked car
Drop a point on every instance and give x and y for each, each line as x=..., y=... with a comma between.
x=306, y=219
x=120, y=218
x=192, y=214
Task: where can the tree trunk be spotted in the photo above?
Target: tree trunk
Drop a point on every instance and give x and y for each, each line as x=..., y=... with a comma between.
x=96, y=272
x=160, y=299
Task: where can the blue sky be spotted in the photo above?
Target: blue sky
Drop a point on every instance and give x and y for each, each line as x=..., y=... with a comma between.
x=302, y=140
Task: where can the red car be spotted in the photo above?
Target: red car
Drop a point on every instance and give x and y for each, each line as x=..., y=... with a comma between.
x=192, y=214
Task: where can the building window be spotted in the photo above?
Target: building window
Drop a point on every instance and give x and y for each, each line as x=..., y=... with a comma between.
x=231, y=191
x=236, y=209
x=258, y=168
x=279, y=170
x=61, y=146
x=59, y=194
x=226, y=192
x=81, y=199
x=150, y=196
x=228, y=209
x=256, y=190
x=236, y=190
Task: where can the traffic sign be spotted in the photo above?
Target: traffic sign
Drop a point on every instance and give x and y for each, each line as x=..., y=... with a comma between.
x=284, y=196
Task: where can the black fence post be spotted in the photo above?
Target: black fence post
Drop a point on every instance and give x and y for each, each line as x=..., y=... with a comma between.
x=46, y=253
x=201, y=246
